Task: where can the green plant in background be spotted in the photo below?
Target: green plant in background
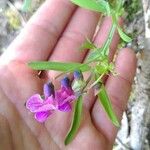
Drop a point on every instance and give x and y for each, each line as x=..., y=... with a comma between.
x=98, y=57
x=26, y=5
x=131, y=7
x=13, y=19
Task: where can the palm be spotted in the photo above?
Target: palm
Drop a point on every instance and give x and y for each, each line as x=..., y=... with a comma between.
x=12, y=85
x=17, y=87
x=18, y=82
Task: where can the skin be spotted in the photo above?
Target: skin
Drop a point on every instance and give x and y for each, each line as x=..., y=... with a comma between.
x=55, y=33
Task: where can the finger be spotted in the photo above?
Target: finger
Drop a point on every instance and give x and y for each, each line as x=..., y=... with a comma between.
x=67, y=48
x=13, y=107
x=100, y=39
x=118, y=89
x=41, y=33
x=5, y=136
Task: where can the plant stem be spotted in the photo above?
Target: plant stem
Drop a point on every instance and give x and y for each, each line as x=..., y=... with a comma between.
x=97, y=81
x=106, y=46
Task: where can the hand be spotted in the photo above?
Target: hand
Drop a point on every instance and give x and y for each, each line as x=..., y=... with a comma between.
x=55, y=33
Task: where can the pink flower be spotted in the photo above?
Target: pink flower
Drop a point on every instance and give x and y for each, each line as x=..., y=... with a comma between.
x=53, y=100
x=65, y=95
x=42, y=108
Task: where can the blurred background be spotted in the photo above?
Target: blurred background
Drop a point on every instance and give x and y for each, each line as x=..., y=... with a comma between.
x=134, y=133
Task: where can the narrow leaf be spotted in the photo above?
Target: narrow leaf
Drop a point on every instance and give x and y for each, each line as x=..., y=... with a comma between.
x=124, y=36
x=106, y=46
x=76, y=121
x=107, y=6
x=95, y=5
x=87, y=45
x=58, y=66
x=104, y=99
x=26, y=5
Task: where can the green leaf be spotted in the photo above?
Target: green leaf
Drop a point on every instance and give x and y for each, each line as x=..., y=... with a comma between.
x=87, y=45
x=58, y=66
x=26, y=5
x=107, y=6
x=95, y=5
x=96, y=55
x=76, y=121
x=124, y=37
x=104, y=99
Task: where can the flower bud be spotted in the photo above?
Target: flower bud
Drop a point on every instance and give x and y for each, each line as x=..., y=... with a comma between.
x=78, y=83
x=78, y=75
x=49, y=89
x=65, y=82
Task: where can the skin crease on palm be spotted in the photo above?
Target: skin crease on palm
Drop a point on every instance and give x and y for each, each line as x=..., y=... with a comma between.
x=55, y=33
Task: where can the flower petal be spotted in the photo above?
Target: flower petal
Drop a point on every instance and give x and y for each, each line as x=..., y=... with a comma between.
x=34, y=102
x=42, y=116
x=70, y=98
x=65, y=107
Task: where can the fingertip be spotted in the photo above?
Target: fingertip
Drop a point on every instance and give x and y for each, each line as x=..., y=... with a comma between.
x=126, y=63
x=128, y=51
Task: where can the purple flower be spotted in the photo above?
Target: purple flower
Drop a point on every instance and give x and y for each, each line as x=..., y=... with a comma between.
x=53, y=100
x=41, y=107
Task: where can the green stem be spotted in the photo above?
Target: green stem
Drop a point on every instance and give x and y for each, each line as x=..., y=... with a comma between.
x=105, y=48
x=98, y=80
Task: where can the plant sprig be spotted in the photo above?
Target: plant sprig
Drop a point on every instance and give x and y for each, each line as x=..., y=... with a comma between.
x=98, y=55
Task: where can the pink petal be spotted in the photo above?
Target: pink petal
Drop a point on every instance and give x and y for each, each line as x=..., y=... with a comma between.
x=48, y=104
x=69, y=91
x=65, y=107
x=62, y=97
x=34, y=102
x=46, y=107
x=42, y=116
x=70, y=98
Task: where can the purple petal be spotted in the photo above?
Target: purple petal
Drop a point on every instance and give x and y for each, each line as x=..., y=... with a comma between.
x=62, y=95
x=48, y=104
x=42, y=116
x=65, y=82
x=68, y=91
x=70, y=98
x=65, y=107
x=34, y=102
x=78, y=75
x=46, y=107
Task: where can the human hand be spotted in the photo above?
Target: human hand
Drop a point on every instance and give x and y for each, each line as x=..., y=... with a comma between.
x=55, y=33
